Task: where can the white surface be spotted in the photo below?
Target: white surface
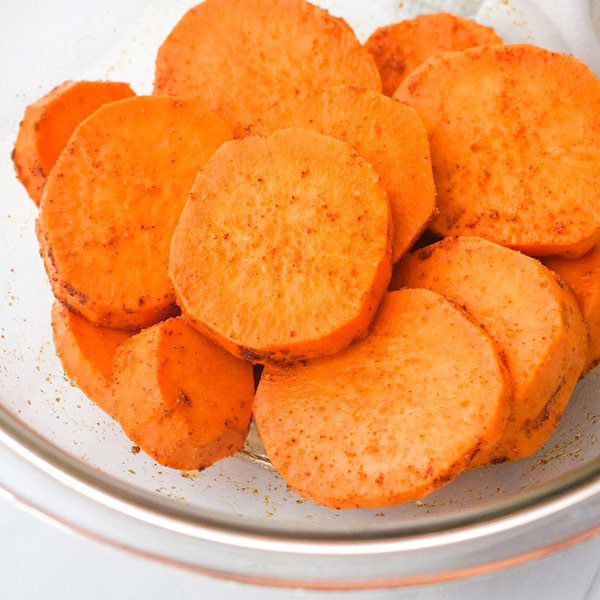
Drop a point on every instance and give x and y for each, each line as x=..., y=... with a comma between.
x=41, y=561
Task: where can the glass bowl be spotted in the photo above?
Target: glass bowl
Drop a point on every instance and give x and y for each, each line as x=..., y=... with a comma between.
x=64, y=458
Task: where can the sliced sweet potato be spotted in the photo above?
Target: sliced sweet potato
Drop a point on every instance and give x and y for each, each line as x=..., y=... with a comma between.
x=533, y=318
x=388, y=134
x=582, y=275
x=283, y=249
x=534, y=432
x=87, y=352
x=182, y=399
x=514, y=142
x=49, y=122
x=241, y=56
x=401, y=47
x=392, y=417
x=112, y=201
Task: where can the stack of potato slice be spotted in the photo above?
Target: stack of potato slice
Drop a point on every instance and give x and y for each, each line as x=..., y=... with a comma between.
x=251, y=211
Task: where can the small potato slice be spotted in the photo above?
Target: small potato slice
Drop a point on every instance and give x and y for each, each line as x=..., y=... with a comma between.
x=182, y=399
x=112, y=201
x=87, y=352
x=582, y=275
x=241, y=56
x=401, y=47
x=49, y=122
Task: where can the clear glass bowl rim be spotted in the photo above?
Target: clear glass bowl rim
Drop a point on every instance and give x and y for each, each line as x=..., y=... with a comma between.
x=52, y=460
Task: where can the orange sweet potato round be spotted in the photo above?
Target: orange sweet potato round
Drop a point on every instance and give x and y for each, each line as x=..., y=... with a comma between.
x=388, y=134
x=514, y=140
x=532, y=317
x=241, y=56
x=87, y=352
x=49, y=122
x=112, y=201
x=182, y=399
x=582, y=275
x=401, y=47
x=283, y=249
x=392, y=417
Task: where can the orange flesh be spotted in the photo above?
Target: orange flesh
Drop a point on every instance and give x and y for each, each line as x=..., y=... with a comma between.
x=534, y=321
x=283, y=248
x=582, y=275
x=392, y=417
x=241, y=56
x=86, y=352
x=401, y=47
x=515, y=143
x=184, y=401
x=123, y=180
x=49, y=122
x=533, y=433
x=389, y=135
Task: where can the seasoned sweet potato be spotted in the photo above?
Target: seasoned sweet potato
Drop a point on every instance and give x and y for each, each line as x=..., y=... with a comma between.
x=388, y=134
x=514, y=145
x=241, y=56
x=112, y=201
x=87, y=352
x=401, y=47
x=392, y=417
x=533, y=433
x=283, y=249
x=533, y=318
x=582, y=275
x=182, y=399
x=49, y=122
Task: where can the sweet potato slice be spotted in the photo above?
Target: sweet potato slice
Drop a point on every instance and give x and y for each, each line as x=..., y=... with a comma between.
x=515, y=146
x=401, y=47
x=241, y=56
x=112, y=201
x=533, y=433
x=532, y=317
x=182, y=399
x=283, y=249
x=49, y=122
x=388, y=134
x=392, y=417
x=582, y=275
x=86, y=352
